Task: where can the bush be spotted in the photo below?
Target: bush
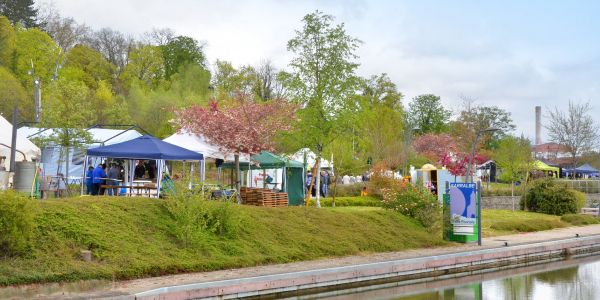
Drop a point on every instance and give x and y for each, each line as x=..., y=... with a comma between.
x=579, y=220
x=196, y=219
x=348, y=201
x=415, y=202
x=546, y=196
x=346, y=190
x=17, y=215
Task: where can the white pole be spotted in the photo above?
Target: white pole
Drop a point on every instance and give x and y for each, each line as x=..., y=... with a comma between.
x=84, y=178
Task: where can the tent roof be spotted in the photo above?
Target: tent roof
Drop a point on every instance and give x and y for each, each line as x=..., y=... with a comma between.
x=311, y=157
x=268, y=160
x=584, y=169
x=199, y=144
x=23, y=144
x=539, y=165
x=100, y=136
x=145, y=147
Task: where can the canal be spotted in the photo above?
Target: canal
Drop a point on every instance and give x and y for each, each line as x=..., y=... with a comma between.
x=565, y=279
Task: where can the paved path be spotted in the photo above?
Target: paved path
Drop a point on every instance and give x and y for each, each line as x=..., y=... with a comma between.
x=139, y=285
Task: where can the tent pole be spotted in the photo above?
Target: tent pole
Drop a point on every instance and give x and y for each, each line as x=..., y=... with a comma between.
x=159, y=163
x=84, y=179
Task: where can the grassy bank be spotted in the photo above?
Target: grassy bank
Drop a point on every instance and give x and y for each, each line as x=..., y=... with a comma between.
x=133, y=237
x=504, y=222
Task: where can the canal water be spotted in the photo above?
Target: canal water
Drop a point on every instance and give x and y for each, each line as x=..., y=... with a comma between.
x=562, y=280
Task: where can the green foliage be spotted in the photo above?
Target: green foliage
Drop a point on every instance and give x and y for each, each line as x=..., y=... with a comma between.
x=12, y=94
x=546, y=196
x=426, y=113
x=131, y=237
x=502, y=222
x=94, y=66
x=181, y=51
x=415, y=202
x=20, y=11
x=349, y=201
x=146, y=65
x=37, y=47
x=579, y=219
x=347, y=190
x=17, y=223
x=196, y=219
x=7, y=43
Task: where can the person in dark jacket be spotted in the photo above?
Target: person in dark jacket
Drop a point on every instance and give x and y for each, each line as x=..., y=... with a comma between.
x=140, y=169
x=88, y=180
x=113, y=174
x=97, y=174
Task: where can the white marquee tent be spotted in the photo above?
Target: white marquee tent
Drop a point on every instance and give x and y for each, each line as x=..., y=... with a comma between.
x=51, y=154
x=24, y=146
x=311, y=158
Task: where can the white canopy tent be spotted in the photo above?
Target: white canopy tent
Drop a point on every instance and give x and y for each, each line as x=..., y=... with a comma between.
x=26, y=150
x=51, y=154
x=311, y=158
x=199, y=144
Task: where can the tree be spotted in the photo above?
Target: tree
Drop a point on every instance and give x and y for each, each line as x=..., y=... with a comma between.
x=7, y=43
x=228, y=81
x=180, y=51
x=34, y=47
x=513, y=156
x=113, y=45
x=19, y=11
x=474, y=118
x=146, y=64
x=94, y=66
x=266, y=85
x=159, y=36
x=66, y=32
x=322, y=80
x=435, y=147
x=12, y=94
x=248, y=127
x=574, y=129
x=426, y=113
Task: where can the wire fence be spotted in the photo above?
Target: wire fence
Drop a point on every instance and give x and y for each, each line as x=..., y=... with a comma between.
x=586, y=186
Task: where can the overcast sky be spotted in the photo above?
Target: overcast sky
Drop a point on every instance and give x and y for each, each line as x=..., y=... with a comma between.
x=512, y=54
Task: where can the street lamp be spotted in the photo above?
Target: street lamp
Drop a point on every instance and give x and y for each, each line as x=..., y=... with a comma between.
x=472, y=154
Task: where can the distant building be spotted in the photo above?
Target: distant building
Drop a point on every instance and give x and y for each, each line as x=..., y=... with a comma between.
x=552, y=153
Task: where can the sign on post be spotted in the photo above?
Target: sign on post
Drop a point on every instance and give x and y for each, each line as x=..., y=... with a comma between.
x=462, y=212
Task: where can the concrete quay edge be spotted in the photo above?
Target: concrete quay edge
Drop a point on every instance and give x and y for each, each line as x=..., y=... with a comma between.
x=435, y=266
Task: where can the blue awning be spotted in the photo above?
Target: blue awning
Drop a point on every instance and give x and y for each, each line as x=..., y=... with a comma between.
x=145, y=147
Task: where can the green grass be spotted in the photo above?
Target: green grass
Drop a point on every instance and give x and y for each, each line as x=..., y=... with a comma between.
x=349, y=201
x=580, y=220
x=503, y=222
x=131, y=238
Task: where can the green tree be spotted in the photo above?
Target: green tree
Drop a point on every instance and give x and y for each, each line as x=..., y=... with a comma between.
x=7, y=43
x=146, y=64
x=13, y=94
x=426, y=113
x=19, y=11
x=322, y=80
x=513, y=156
x=94, y=66
x=474, y=118
x=34, y=47
x=180, y=51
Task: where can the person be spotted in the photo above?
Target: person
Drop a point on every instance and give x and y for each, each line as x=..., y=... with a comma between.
x=140, y=170
x=364, y=191
x=97, y=180
x=346, y=179
x=324, y=183
x=88, y=180
x=151, y=167
x=113, y=174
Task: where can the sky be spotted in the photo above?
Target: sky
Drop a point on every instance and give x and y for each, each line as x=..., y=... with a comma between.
x=511, y=54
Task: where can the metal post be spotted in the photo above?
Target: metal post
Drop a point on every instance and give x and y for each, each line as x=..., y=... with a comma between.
x=13, y=143
x=479, y=213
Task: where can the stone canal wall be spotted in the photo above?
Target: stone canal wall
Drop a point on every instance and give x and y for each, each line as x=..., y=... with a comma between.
x=406, y=270
x=506, y=202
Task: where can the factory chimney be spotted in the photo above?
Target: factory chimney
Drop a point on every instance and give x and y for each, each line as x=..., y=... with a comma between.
x=538, y=125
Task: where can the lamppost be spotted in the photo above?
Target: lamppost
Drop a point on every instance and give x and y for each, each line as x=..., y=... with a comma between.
x=472, y=154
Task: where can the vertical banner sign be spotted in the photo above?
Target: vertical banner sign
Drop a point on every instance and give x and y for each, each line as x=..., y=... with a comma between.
x=463, y=211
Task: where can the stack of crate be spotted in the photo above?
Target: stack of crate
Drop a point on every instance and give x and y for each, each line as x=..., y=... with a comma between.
x=263, y=197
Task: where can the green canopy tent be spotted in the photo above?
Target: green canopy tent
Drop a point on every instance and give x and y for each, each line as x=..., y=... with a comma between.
x=541, y=166
x=293, y=181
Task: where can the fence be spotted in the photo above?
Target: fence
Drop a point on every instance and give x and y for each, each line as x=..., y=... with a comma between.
x=586, y=186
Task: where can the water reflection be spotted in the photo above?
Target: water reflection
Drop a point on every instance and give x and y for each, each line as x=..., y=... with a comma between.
x=570, y=279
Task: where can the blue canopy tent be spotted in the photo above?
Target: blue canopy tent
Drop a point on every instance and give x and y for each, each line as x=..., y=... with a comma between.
x=147, y=148
x=584, y=169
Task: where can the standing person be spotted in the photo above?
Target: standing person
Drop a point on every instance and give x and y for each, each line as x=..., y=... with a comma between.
x=140, y=170
x=113, y=174
x=88, y=180
x=324, y=183
x=97, y=180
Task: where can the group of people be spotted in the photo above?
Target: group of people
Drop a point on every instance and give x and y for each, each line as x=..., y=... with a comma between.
x=325, y=180
x=103, y=175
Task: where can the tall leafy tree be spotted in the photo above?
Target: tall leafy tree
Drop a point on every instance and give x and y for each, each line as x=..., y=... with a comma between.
x=34, y=47
x=93, y=65
x=180, y=51
x=19, y=11
x=477, y=118
x=322, y=80
x=513, y=156
x=7, y=43
x=113, y=44
x=13, y=94
x=146, y=64
x=426, y=113
x=574, y=128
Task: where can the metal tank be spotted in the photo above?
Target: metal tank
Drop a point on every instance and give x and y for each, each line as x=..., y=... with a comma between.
x=24, y=176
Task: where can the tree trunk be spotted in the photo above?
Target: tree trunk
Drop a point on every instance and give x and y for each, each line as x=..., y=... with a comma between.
x=318, y=197
x=312, y=181
x=237, y=177
x=512, y=193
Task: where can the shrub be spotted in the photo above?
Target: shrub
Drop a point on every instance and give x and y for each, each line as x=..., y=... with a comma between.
x=346, y=190
x=17, y=215
x=546, y=196
x=415, y=202
x=196, y=219
x=348, y=201
x=578, y=220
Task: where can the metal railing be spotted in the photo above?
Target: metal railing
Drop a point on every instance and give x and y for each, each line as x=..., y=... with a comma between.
x=587, y=186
